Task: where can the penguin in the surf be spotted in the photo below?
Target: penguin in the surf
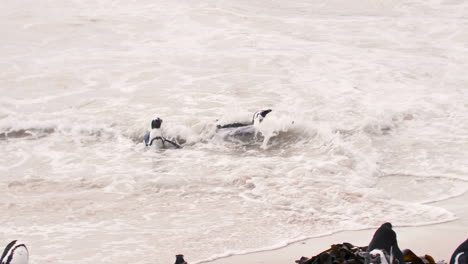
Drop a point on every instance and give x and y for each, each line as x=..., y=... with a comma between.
x=383, y=248
x=156, y=138
x=460, y=255
x=15, y=253
x=242, y=130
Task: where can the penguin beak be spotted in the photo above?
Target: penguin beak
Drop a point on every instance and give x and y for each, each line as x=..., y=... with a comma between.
x=265, y=112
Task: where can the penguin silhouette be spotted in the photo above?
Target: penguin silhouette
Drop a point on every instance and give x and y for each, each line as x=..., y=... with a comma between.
x=383, y=247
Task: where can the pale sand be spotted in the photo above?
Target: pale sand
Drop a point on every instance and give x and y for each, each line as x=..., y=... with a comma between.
x=438, y=240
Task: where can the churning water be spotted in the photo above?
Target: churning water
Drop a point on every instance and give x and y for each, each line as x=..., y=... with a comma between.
x=369, y=123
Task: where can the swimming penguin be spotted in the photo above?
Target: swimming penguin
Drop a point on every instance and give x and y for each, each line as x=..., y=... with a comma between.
x=243, y=129
x=15, y=253
x=155, y=136
x=180, y=259
x=460, y=255
x=383, y=247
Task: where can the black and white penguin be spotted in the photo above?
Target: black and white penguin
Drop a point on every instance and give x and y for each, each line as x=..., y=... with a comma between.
x=383, y=247
x=460, y=255
x=15, y=253
x=180, y=259
x=244, y=129
x=155, y=136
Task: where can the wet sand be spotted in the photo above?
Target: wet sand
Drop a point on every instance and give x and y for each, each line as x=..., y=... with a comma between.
x=437, y=240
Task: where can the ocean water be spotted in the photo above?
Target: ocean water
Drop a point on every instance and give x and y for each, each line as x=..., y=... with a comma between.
x=369, y=123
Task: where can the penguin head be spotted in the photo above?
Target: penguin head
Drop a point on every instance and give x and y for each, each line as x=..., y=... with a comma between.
x=460, y=255
x=156, y=123
x=260, y=115
x=15, y=253
x=387, y=225
x=180, y=259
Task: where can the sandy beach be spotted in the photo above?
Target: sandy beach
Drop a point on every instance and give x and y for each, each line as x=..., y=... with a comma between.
x=437, y=240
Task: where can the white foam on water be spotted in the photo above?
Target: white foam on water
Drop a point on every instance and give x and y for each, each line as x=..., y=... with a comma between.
x=368, y=125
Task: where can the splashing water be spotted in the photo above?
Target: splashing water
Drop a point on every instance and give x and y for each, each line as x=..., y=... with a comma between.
x=369, y=123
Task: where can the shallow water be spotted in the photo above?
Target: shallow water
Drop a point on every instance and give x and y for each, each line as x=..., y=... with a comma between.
x=369, y=123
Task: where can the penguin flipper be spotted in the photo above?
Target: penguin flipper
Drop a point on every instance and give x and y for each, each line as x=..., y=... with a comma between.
x=173, y=143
